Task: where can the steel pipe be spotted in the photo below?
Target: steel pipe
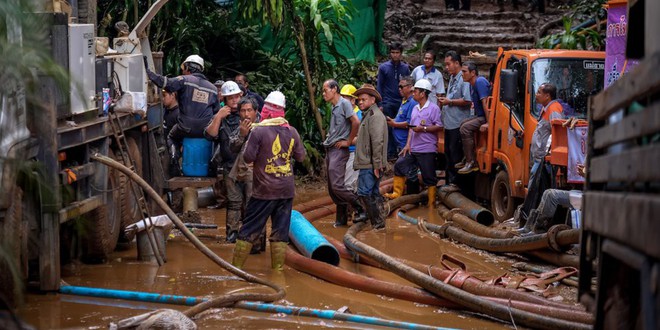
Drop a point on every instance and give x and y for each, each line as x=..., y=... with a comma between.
x=454, y=199
x=310, y=242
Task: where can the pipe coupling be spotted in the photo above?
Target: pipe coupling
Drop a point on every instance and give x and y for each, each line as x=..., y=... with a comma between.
x=552, y=237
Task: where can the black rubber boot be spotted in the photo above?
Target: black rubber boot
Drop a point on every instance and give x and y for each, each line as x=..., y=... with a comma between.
x=360, y=214
x=341, y=217
x=528, y=229
x=374, y=212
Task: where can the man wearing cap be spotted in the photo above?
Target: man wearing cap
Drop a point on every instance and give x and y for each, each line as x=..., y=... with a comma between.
x=198, y=101
x=420, y=148
x=400, y=127
x=344, y=126
x=271, y=146
x=225, y=124
x=371, y=153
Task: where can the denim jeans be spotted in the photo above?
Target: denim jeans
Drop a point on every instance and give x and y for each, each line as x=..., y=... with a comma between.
x=368, y=183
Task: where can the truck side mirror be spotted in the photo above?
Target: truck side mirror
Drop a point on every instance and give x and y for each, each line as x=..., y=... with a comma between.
x=508, y=86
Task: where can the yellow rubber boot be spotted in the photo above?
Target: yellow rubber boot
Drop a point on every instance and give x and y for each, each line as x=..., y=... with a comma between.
x=241, y=252
x=278, y=255
x=397, y=187
x=431, y=193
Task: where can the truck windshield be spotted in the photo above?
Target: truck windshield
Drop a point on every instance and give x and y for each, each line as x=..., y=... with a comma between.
x=575, y=79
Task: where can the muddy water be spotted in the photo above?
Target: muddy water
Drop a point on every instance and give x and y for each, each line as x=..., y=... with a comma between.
x=188, y=272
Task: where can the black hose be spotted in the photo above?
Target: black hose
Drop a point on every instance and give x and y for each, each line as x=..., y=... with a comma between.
x=443, y=290
x=216, y=302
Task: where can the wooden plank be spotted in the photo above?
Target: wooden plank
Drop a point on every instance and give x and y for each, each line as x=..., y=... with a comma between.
x=635, y=165
x=641, y=81
x=635, y=125
x=77, y=209
x=629, y=218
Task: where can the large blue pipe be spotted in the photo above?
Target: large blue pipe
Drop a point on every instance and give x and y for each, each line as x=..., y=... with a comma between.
x=259, y=307
x=310, y=242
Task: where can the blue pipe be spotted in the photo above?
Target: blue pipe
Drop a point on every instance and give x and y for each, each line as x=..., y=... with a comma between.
x=310, y=242
x=329, y=315
x=259, y=307
x=131, y=295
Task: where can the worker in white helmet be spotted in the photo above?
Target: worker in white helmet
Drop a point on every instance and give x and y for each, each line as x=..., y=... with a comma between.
x=271, y=146
x=420, y=149
x=198, y=101
x=225, y=124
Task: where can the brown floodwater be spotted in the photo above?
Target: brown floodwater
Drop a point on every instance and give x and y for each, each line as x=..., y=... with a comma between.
x=188, y=272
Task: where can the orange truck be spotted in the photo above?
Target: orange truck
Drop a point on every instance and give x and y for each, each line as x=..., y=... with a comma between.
x=503, y=150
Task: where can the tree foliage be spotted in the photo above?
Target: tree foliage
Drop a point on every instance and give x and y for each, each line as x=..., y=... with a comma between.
x=588, y=35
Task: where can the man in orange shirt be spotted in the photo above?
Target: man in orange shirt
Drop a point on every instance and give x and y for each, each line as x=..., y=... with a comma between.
x=546, y=96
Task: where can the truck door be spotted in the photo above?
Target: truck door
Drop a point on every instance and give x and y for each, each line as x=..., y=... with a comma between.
x=509, y=146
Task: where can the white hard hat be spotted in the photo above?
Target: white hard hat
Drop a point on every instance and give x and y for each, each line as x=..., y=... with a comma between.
x=195, y=59
x=424, y=84
x=276, y=98
x=229, y=88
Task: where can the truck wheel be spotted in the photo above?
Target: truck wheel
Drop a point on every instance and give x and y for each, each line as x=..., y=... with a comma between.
x=130, y=210
x=101, y=229
x=11, y=256
x=502, y=203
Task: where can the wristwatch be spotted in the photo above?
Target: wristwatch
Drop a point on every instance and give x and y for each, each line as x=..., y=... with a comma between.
x=424, y=129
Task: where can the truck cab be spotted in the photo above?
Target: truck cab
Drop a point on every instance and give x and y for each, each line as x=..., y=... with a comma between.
x=503, y=150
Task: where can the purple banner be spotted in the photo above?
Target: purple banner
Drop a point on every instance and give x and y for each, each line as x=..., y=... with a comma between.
x=616, y=63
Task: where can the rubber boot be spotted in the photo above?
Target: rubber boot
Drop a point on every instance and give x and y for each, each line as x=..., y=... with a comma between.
x=277, y=255
x=241, y=252
x=233, y=221
x=373, y=212
x=341, y=216
x=528, y=229
x=360, y=214
x=397, y=189
x=431, y=194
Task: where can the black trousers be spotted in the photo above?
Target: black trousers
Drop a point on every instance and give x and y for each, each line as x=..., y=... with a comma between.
x=453, y=152
x=412, y=161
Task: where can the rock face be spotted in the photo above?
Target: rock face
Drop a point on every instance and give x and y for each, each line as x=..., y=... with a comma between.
x=481, y=30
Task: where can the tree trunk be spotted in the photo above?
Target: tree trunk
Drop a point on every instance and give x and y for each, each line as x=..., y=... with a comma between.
x=308, y=78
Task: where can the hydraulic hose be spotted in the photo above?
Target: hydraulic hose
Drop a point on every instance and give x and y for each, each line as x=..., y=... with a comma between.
x=470, y=284
x=216, y=302
x=471, y=301
x=470, y=225
x=342, y=277
x=516, y=244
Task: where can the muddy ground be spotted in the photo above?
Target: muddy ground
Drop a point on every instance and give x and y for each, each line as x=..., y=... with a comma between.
x=188, y=272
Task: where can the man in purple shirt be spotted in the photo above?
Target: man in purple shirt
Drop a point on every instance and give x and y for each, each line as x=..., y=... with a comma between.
x=420, y=149
x=389, y=74
x=271, y=146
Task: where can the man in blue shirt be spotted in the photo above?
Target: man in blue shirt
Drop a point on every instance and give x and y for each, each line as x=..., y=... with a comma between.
x=479, y=92
x=389, y=74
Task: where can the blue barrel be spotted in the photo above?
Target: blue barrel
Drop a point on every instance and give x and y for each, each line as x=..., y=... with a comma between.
x=197, y=153
x=310, y=242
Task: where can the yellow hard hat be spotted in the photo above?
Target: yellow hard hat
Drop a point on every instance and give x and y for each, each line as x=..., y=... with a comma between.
x=348, y=90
